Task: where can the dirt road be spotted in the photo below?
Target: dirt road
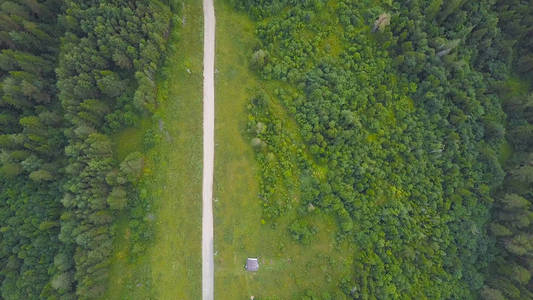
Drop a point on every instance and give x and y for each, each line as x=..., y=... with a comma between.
x=208, y=272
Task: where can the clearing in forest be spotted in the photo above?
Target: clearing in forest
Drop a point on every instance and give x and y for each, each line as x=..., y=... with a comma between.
x=287, y=268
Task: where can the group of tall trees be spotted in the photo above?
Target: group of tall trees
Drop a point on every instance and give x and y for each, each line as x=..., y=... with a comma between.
x=399, y=106
x=512, y=214
x=71, y=73
x=31, y=143
x=106, y=76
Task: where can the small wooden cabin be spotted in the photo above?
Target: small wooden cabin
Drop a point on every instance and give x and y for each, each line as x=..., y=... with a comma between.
x=252, y=264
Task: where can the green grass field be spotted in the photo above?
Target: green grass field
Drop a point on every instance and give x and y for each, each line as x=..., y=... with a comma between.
x=171, y=267
x=288, y=269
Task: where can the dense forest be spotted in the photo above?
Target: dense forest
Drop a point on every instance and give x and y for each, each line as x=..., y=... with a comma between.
x=72, y=74
x=510, y=272
x=414, y=135
x=31, y=143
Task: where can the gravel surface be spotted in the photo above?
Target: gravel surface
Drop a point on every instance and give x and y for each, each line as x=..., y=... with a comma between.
x=208, y=273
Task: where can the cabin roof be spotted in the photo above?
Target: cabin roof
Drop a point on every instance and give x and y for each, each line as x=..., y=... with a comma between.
x=252, y=264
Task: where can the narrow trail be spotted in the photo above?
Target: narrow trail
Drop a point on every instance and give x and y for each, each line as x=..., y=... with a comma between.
x=208, y=272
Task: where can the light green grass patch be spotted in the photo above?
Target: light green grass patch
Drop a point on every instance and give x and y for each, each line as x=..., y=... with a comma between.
x=506, y=150
x=129, y=140
x=515, y=86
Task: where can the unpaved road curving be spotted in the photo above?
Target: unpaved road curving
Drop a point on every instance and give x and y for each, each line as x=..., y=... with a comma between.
x=208, y=272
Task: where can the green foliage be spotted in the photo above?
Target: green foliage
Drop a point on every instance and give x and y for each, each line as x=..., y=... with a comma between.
x=301, y=231
x=275, y=150
x=401, y=133
x=491, y=294
x=31, y=143
x=29, y=231
x=131, y=167
x=41, y=175
x=58, y=105
x=117, y=199
x=10, y=170
x=259, y=59
x=99, y=94
x=110, y=84
x=510, y=273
